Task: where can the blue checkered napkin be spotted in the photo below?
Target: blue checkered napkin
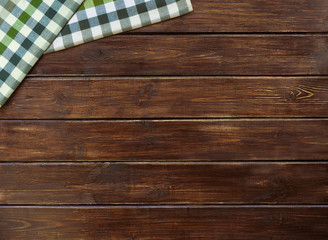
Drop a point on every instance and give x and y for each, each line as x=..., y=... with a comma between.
x=27, y=28
x=115, y=17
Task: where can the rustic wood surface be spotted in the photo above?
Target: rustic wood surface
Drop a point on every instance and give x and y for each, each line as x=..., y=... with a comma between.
x=210, y=126
x=168, y=97
x=207, y=54
x=162, y=140
x=166, y=222
x=163, y=183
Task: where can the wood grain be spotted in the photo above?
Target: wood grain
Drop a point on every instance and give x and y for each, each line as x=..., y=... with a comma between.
x=167, y=183
x=180, y=222
x=249, y=16
x=168, y=97
x=192, y=55
x=185, y=140
x=73, y=166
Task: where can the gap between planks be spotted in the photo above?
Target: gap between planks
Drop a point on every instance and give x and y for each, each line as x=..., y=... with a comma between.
x=170, y=206
x=200, y=119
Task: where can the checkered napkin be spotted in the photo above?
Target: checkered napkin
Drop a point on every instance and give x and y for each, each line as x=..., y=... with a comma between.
x=27, y=28
x=99, y=18
x=30, y=28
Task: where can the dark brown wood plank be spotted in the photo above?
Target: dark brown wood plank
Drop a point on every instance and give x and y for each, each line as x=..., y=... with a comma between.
x=166, y=97
x=187, y=140
x=250, y=16
x=155, y=183
x=165, y=222
x=192, y=55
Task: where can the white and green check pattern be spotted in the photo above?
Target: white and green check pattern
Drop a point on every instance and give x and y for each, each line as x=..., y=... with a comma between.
x=30, y=28
x=101, y=20
x=27, y=28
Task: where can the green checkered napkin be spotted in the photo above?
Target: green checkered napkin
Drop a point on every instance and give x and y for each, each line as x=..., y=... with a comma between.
x=27, y=28
x=100, y=18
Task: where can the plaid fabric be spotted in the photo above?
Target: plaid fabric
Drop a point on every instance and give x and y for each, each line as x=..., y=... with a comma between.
x=95, y=20
x=6, y=6
x=27, y=28
x=93, y=3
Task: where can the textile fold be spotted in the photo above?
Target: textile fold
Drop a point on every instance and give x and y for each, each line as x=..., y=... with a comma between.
x=93, y=21
x=27, y=29
x=30, y=28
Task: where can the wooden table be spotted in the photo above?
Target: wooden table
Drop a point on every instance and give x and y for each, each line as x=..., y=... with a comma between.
x=210, y=126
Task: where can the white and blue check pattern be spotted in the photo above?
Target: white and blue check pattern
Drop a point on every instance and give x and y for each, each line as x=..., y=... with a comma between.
x=116, y=17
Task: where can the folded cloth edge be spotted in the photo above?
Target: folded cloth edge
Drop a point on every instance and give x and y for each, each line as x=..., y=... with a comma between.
x=8, y=86
x=153, y=11
x=25, y=33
